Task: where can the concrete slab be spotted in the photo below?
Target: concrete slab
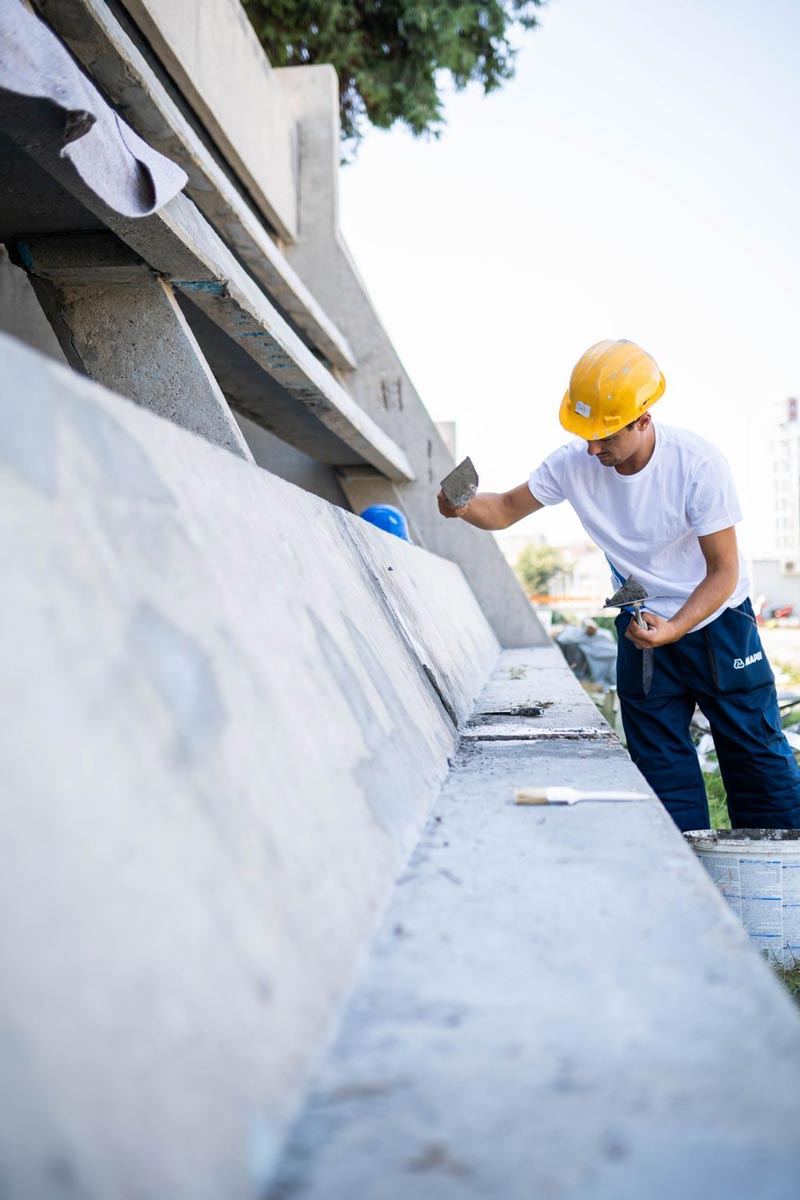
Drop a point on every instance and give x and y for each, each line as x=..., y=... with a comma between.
x=559, y=1004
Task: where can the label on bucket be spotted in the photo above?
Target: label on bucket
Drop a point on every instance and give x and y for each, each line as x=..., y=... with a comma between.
x=765, y=895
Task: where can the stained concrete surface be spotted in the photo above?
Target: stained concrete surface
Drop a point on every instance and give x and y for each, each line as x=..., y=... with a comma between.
x=559, y=1004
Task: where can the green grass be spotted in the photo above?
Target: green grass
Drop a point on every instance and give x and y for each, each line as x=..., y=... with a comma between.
x=717, y=802
x=789, y=977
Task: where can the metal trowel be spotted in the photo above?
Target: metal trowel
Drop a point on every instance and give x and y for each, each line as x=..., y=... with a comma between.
x=633, y=595
x=461, y=484
x=630, y=595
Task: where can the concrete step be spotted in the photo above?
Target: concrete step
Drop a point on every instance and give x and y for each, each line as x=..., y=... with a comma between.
x=559, y=1003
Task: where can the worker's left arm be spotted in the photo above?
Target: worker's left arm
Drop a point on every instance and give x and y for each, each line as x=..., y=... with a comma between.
x=722, y=573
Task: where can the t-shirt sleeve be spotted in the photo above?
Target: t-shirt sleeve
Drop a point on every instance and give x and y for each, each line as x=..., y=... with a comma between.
x=712, y=503
x=546, y=482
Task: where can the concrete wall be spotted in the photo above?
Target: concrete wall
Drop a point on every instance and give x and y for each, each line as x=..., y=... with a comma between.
x=284, y=460
x=227, y=708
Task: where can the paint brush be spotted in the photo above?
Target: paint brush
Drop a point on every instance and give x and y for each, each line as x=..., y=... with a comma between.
x=568, y=795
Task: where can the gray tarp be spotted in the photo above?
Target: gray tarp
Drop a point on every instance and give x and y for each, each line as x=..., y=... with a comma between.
x=112, y=160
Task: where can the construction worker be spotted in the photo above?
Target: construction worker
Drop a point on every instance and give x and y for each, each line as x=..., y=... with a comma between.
x=661, y=503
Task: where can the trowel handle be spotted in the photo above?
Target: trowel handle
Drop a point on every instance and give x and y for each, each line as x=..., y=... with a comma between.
x=640, y=621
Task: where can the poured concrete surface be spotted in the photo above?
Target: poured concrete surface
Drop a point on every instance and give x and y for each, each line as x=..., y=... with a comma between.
x=559, y=1004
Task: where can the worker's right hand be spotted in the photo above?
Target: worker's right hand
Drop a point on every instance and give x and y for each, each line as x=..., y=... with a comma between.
x=446, y=508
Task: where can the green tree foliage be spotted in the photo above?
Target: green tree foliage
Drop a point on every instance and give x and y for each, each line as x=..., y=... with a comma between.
x=536, y=566
x=393, y=56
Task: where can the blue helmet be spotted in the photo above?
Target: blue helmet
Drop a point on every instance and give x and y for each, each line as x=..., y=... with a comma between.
x=388, y=518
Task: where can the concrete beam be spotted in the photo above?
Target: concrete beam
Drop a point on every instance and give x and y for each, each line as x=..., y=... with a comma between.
x=121, y=325
x=100, y=43
x=180, y=245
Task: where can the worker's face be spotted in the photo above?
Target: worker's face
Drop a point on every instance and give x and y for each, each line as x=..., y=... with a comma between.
x=613, y=451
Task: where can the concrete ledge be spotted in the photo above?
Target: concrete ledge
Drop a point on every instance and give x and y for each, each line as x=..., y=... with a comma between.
x=559, y=1005
x=220, y=743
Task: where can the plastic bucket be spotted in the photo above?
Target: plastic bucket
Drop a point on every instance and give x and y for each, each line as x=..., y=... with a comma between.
x=758, y=873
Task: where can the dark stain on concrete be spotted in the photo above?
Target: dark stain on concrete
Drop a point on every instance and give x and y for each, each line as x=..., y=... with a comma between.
x=181, y=672
x=436, y=1157
x=397, y=766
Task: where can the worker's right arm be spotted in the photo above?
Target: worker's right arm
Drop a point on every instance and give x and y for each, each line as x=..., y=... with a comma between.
x=493, y=510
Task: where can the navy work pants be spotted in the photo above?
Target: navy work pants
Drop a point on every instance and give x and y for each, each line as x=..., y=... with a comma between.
x=723, y=669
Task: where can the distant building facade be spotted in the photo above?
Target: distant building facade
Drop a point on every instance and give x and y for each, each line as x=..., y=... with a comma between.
x=778, y=578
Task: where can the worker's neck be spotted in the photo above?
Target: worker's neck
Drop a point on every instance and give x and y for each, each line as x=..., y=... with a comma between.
x=642, y=452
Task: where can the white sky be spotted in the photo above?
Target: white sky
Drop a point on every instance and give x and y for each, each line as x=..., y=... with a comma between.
x=638, y=178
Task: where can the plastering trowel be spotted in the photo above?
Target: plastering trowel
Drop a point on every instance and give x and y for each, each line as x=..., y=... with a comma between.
x=630, y=595
x=633, y=595
x=461, y=484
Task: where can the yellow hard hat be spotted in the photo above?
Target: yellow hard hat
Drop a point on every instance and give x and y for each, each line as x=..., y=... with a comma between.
x=611, y=385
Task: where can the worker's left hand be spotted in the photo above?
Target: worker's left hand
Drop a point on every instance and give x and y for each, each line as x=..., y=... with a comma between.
x=658, y=632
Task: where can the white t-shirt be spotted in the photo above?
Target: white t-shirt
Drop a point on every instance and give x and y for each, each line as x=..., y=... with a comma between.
x=648, y=523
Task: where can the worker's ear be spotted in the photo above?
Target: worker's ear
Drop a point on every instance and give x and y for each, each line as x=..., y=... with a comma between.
x=643, y=422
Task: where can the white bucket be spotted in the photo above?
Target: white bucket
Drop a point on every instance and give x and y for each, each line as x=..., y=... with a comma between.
x=758, y=873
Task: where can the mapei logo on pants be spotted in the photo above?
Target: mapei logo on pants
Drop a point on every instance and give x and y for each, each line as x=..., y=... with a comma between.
x=739, y=663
